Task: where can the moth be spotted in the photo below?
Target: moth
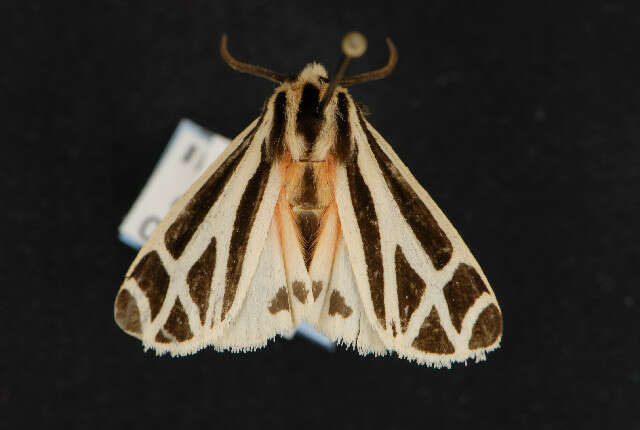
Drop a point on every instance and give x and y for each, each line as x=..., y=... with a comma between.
x=309, y=215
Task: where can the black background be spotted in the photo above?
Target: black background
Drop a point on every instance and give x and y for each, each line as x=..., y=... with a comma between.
x=522, y=119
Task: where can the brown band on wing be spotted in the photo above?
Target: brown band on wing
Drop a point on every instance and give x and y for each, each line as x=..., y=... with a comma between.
x=461, y=291
x=432, y=337
x=425, y=227
x=316, y=289
x=309, y=117
x=299, y=291
x=183, y=228
x=199, y=278
x=153, y=280
x=342, y=146
x=127, y=314
x=280, y=302
x=242, y=226
x=487, y=328
x=178, y=323
x=338, y=306
x=369, y=231
x=276, y=145
x=410, y=288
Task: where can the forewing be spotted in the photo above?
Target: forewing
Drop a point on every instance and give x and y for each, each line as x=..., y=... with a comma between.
x=189, y=281
x=422, y=290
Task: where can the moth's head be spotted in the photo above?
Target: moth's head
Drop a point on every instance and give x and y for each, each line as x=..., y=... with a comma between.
x=301, y=104
x=313, y=73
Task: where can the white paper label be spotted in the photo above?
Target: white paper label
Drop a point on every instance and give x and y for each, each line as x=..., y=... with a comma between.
x=190, y=151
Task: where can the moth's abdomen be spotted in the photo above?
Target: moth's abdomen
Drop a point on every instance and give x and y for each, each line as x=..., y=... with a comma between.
x=309, y=193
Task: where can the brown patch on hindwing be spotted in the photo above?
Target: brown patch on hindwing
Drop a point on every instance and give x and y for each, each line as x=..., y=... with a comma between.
x=369, y=231
x=199, y=278
x=461, y=291
x=338, y=306
x=299, y=291
x=425, y=227
x=189, y=219
x=280, y=302
x=153, y=280
x=316, y=289
x=432, y=338
x=126, y=312
x=487, y=329
x=242, y=226
x=410, y=288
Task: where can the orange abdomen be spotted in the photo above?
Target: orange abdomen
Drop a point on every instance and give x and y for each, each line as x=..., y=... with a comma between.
x=309, y=192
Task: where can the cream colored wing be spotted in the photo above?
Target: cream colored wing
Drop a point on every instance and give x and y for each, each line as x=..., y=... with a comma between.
x=189, y=281
x=420, y=288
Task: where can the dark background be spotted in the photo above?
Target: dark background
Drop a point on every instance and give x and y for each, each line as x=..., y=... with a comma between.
x=522, y=119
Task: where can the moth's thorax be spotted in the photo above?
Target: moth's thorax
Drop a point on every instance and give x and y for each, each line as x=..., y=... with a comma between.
x=305, y=131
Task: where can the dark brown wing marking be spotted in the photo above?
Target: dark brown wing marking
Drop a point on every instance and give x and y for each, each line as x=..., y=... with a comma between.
x=180, y=232
x=127, y=315
x=410, y=288
x=316, y=289
x=161, y=338
x=242, y=226
x=153, y=280
x=368, y=223
x=199, y=278
x=432, y=337
x=178, y=323
x=338, y=306
x=342, y=147
x=299, y=291
x=461, y=291
x=276, y=146
x=487, y=328
x=426, y=229
x=280, y=302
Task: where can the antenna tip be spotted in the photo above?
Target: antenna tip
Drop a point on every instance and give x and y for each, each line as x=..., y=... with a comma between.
x=354, y=44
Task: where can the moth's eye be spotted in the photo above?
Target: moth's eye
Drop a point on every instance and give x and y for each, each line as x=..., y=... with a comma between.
x=323, y=80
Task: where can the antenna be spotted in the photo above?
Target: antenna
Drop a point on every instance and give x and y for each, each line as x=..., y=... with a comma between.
x=354, y=45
